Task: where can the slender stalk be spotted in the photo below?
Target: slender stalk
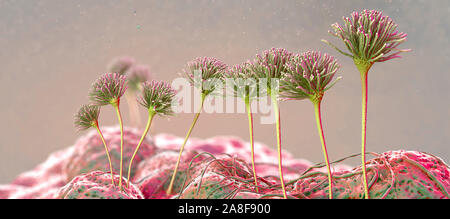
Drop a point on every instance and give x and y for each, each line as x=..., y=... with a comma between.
x=364, y=68
x=278, y=121
x=119, y=116
x=252, y=144
x=364, y=89
x=324, y=146
x=169, y=189
x=151, y=114
x=107, y=153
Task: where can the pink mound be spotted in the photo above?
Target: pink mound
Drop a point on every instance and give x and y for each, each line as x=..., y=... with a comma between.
x=266, y=159
x=97, y=185
x=393, y=175
x=153, y=175
x=89, y=152
x=161, y=161
x=154, y=162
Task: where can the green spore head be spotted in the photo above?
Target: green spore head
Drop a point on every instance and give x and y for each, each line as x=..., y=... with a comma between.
x=136, y=75
x=243, y=81
x=86, y=117
x=309, y=75
x=369, y=37
x=205, y=73
x=271, y=65
x=158, y=97
x=242, y=71
x=121, y=65
x=108, y=89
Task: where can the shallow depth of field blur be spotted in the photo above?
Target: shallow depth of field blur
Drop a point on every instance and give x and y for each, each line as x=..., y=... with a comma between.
x=51, y=51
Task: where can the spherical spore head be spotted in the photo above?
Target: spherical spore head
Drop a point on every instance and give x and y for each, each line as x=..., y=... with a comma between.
x=205, y=70
x=369, y=37
x=308, y=75
x=136, y=75
x=86, y=117
x=243, y=80
x=271, y=63
x=120, y=65
x=157, y=96
x=243, y=71
x=108, y=89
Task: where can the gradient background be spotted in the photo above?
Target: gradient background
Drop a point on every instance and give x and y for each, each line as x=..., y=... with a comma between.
x=51, y=51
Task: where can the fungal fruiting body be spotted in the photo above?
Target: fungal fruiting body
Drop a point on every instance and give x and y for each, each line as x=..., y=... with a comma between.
x=86, y=118
x=203, y=73
x=309, y=75
x=120, y=65
x=369, y=37
x=244, y=86
x=218, y=168
x=136, y=76
x=157, y=98
x=108, y=89
x=270, y=65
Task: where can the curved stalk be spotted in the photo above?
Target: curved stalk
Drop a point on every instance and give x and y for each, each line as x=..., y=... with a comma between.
x=151, y=114
x=119, y=116
x=169, y=189
x=324, y=146
x=107, y=153
x=252, y=145
x=280, y=161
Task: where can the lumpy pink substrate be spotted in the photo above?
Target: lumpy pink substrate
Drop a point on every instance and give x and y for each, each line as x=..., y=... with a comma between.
x=98, y=185
x=89, y=152
x=219, y=167
x=393, y=174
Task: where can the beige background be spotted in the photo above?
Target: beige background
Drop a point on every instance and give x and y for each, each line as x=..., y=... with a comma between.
x=51, y=51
